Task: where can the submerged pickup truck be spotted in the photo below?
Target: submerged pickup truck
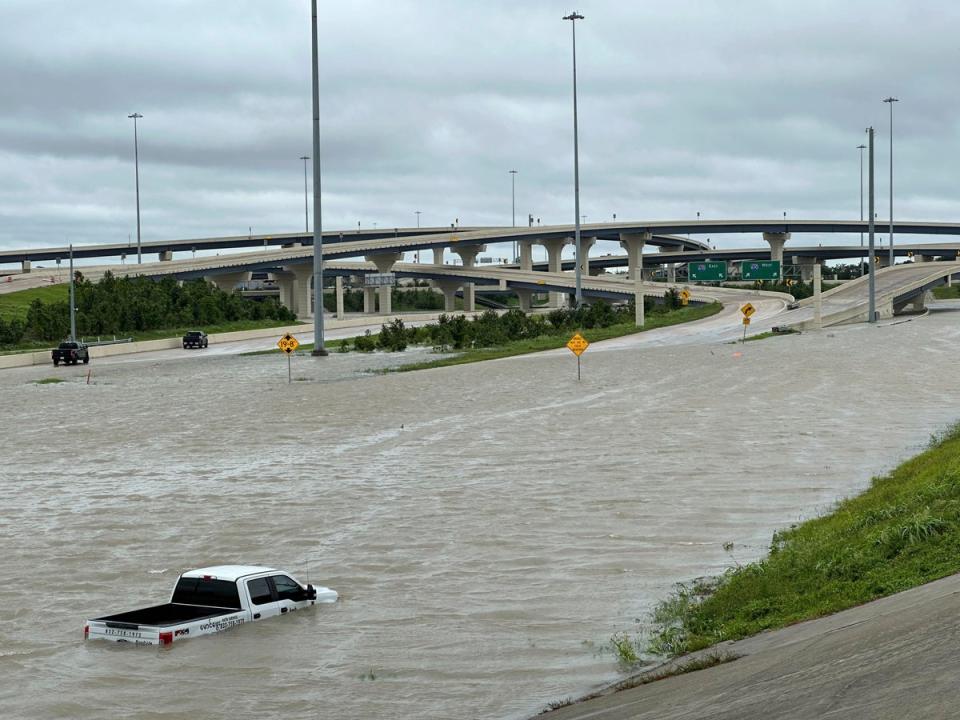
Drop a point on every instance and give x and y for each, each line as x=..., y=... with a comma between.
x=210, y=600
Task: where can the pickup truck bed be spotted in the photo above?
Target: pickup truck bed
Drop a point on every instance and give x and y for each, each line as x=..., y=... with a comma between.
x=167, y=614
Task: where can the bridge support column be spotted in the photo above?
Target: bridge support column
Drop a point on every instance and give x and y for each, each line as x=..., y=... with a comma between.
x=554, y=248
x=923, y=258
x=776, y=242
x=165, y=255
x=384, y=263
x=526, y=255
x=807, y=265
x=449, y=290
x=288, y=296
x=585, y=246
x=24, y=266
x=633, y=243
x=468, y=255
x=303, y=295
x=228, y=281
x=369, y=300
x=438, y=254
x=525, y=297
x=882, y=260
x=339, y=291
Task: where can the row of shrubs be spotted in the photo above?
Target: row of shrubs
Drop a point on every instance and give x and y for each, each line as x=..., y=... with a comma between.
x=135, y=304
x=490, y=329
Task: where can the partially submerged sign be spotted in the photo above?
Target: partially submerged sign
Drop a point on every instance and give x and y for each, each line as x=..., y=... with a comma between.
x=288, y=343
x=577, y=344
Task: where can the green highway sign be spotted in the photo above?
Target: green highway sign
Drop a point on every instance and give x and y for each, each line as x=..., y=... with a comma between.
x=710, y=271
x=760, y=269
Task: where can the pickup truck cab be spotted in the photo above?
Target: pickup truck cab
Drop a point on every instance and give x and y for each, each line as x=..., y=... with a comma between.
x=210, y=600
x=195, y=338
x=70, y=353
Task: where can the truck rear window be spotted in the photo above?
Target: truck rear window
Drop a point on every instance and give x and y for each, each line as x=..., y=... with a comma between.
x=197, y=591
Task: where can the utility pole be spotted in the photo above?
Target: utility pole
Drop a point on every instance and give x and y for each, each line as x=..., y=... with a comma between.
x=318, y=347
x=578, y=296
x=872, y=304
x=890, y=101
x=861, y=147
x=136, y=166
x=73, y=302
x=306, y=216
x=513, y=209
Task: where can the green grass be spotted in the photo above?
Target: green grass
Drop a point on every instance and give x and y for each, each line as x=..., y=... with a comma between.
x=48, y=381
x=900, y=533
x=770, y=334
x=235, y=326
x=14, y=306
x=552, y=342
x=947, y=293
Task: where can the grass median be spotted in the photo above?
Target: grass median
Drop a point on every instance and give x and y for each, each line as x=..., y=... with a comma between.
x=555, y=339
x=903, y=531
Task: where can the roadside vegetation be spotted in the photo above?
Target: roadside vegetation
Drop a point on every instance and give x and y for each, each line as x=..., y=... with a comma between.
x=135, y=307
x=947, y=293
x=903, y=531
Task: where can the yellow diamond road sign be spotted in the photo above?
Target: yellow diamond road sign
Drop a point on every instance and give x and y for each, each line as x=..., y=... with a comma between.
x=685, y=294
x=288, y=343
x=747, y=309
x=577, y=344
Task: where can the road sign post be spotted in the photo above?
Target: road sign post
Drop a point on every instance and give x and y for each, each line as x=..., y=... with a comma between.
x=288, y=344
x=577, y=344
x=748, y=310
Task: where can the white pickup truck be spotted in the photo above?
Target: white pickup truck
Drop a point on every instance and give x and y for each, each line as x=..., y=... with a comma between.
x=210, y=600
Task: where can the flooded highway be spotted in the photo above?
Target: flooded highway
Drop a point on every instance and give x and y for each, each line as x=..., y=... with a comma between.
x=488, y=526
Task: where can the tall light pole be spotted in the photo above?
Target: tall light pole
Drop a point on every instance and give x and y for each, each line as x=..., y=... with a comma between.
x=861, y=147
x=136, y=168
x=417, y=213
x=872, y=301
x=306, y=216
x=318, y=348
x=73, y=302
x=513, y=207
x=890, y=101
x=578, y=297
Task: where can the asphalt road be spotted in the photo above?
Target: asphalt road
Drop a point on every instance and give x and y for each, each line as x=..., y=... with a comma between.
x=893, y=658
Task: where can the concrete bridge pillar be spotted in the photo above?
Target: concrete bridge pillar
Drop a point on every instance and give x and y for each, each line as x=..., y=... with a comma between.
x=468, y=255
x=288, y=296
x=385, y=263
x=526, y=255
x=449, y=290
x=24, y=266
x=554, y=248
x=438, y=254
x=807, y=265
x=923, y=258
x=369, y=300
x=165, y=255
x=776, y=242
x=633, y=243
x=302, y=290
x=339, y=290
x=586, y=244
x=881, y=260
x=525, y=296
x=228, y=281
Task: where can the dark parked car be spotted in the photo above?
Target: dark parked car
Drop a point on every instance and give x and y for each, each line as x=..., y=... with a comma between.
x=195, y=338
x=70, y=353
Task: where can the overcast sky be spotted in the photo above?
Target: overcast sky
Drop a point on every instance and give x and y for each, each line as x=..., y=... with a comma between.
x=739, y=109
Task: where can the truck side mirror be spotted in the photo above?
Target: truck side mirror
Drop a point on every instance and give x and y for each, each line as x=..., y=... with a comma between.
x=311, y=592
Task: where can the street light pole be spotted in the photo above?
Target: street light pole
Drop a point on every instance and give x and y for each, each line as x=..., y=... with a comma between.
x=417, y=213
x=573, y=17
x=871, y=260
x=890, y=101
x=318, y=348
x=73, y=302
x=306, y=216
x=136, y=166
x=861, y=147
x=513, y=207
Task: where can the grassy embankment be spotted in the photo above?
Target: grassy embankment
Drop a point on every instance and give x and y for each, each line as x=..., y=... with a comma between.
x=14, y=306
x=947, y=293
x=903, y=531
x=549, y=342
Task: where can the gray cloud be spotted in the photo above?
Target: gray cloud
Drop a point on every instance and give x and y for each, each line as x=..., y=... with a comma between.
x=740, y=109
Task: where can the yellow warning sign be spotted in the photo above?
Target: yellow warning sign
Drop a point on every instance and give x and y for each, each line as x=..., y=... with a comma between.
x=684, y=296
x=746, y=321
x=577, y=344
x=747, y=309
x=288, y=343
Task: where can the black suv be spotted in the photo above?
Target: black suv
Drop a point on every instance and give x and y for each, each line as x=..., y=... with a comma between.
x=195, y=338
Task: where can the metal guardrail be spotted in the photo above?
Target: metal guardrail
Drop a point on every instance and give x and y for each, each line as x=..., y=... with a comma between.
x=98, y=341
